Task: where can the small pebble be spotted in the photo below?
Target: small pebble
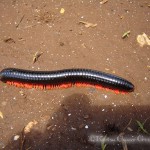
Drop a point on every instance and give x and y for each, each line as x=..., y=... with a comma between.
x=86, y=126
x=105, y=96
x=145, y=78
x=69, y=114
x=16, y=137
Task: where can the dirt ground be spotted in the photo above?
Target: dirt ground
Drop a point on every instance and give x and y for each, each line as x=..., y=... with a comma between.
x=70, y=119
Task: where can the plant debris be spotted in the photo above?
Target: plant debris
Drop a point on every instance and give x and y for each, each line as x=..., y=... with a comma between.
x=29, y=126
x=62, y=10
x=103, y=145
x=141, y=127
x=36, y=56
x=87, y=24
x=103, y=1
x=9, y=40
x=83, y=45
x=126, y=34
x=43, y=17
x=130, y=129
x=1, y=115
x=143, y=40
x=86, y=116
x=21, y=93
x=124, y=144
x=127, y=124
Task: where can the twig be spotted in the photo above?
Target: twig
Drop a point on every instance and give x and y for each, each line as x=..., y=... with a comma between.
x=36, y=56
x=22, y=139
x=20, y=21
x=127, y=124
x=124, y=144
x=146, y=120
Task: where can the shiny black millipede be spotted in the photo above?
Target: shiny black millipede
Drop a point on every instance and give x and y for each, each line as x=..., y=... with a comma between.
x=64, y=78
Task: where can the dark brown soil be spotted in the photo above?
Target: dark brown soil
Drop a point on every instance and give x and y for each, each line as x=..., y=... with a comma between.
x=67, y=118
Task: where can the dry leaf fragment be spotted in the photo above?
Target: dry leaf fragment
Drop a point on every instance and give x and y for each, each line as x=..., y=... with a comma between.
x=9, y=40
x=36, y=56
x=107, y=69
x=21, y=93
x=87, y=24
x=143, y=40
x=1, y=115
x=126, y=34
x=130, y=129
x=103, y=1
x=49, y=127
x=29, y=126
x=62, y=10
x=83, y=45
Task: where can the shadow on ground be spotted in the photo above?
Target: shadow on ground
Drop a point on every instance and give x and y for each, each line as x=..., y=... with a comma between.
x=77, y=120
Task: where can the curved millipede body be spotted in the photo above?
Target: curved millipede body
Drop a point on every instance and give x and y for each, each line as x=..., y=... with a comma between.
x=64, y=78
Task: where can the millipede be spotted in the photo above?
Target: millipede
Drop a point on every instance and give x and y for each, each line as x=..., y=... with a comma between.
x=64, y=79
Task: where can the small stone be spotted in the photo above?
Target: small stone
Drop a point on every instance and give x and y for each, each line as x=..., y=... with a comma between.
x=62, y=11
x=69, y=114
x=105, y=96
x=145, y=78
x=16, y=137
x=86, y=127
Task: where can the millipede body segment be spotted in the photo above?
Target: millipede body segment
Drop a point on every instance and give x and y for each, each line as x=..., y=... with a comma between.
x=64, y=78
